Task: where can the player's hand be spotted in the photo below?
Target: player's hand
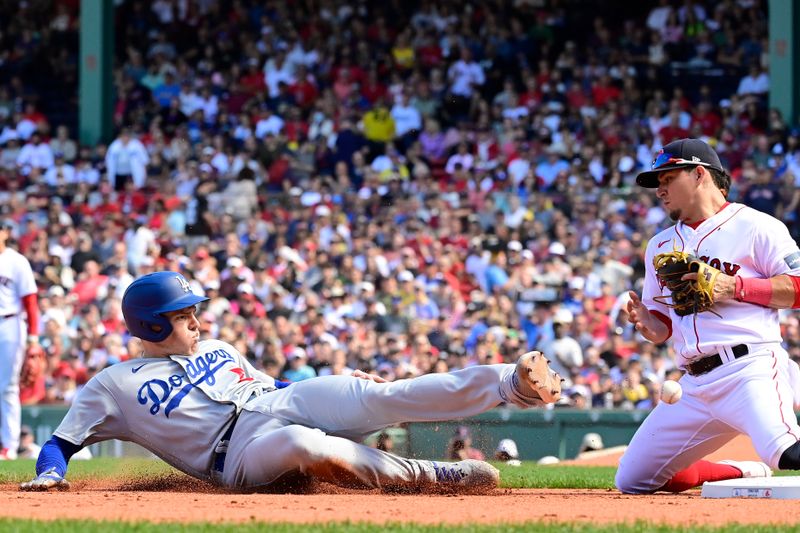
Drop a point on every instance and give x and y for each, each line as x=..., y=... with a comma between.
x=645, y=323
x=49, y=479
x=369, y=377
x=724, y=286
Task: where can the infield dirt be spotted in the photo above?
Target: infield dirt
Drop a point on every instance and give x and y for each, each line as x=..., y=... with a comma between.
x=176, y=498
x=502, y=506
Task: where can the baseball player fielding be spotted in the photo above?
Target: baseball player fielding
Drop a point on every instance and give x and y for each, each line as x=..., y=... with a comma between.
x=724, y=329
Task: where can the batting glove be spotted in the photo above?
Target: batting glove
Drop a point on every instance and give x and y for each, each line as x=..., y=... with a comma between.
x=49, y=479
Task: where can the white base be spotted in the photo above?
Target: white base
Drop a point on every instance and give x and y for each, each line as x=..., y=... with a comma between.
x=776, y=488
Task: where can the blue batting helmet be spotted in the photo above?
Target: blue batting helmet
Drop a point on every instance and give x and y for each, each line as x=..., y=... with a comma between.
x=147, y=299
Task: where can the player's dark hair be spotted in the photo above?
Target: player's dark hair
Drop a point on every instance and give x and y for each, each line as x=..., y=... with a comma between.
x=721, y=179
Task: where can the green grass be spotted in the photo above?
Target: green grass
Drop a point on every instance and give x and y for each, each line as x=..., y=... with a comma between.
x=100, y=468
x=83, y=526
x=529, y=475
x=533, y=476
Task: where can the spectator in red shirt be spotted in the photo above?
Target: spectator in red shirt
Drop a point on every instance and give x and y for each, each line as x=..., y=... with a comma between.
x=708, y=119
x=252, y=81
x=28, y=235
x=355, y=73
x=429, y=52
x=344, y=86
x=576, y=97
x=373, y=90
x=35, y=116
x=673, y=130
x=91, y=284
x=237, y=96
x=603, y=90
x=304, y=89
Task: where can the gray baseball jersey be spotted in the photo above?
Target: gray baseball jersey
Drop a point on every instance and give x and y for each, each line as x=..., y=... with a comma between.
x=181, y=407
x=177, y=407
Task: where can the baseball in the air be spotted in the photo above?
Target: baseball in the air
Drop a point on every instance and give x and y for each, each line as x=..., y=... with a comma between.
x=671, y=391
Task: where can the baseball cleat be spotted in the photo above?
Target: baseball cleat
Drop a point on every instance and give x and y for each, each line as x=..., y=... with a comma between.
x=467, y=474
x=537, y=379
x=749, y=468
x=7, y=454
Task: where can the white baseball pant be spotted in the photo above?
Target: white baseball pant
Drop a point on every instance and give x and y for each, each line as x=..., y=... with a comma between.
x=752, y=396
x=12, y=354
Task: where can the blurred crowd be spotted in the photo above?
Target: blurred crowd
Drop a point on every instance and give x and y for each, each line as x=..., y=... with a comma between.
x=402, y=187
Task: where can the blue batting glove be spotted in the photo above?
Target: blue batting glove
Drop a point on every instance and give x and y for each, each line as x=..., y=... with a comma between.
x=49, y=479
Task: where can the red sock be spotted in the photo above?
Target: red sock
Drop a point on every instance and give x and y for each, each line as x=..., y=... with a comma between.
x=698, y=473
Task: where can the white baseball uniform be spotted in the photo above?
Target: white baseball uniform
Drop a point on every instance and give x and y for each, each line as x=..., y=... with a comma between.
x=181, y=407
x=751, y=394
x=16, y=281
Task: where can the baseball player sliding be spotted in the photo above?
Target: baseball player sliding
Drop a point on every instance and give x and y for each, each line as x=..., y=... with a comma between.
x=202, y=408
x=713, y=285
x=17, y=300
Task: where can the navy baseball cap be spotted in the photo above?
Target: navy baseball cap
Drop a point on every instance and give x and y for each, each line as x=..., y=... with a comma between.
x=677, y=154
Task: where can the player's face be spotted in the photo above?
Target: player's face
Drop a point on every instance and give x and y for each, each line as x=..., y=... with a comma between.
x=185, y=333
x=676, y=188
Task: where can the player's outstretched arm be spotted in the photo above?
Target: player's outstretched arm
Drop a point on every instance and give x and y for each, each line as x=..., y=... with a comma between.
x=51, y=467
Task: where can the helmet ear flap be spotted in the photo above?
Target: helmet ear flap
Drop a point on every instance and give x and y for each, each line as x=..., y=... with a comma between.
x=159, y=328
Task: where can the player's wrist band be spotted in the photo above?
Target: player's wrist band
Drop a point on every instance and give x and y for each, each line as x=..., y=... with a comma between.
x=33, y=338
x=796, y=286
x=753, y=290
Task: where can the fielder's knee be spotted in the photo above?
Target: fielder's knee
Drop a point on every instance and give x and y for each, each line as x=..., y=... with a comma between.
x=627, y=481
x=623, y=483
x=790, y=459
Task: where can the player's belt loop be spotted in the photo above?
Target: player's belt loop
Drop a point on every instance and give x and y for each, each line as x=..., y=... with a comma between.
x=709, y=363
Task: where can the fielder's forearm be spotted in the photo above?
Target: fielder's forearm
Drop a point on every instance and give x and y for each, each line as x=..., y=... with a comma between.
x=659, y=329
x=785, y=292
x=779, y=292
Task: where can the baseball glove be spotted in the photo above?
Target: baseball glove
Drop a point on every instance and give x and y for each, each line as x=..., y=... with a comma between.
x=33, y=366
x=687, y=296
